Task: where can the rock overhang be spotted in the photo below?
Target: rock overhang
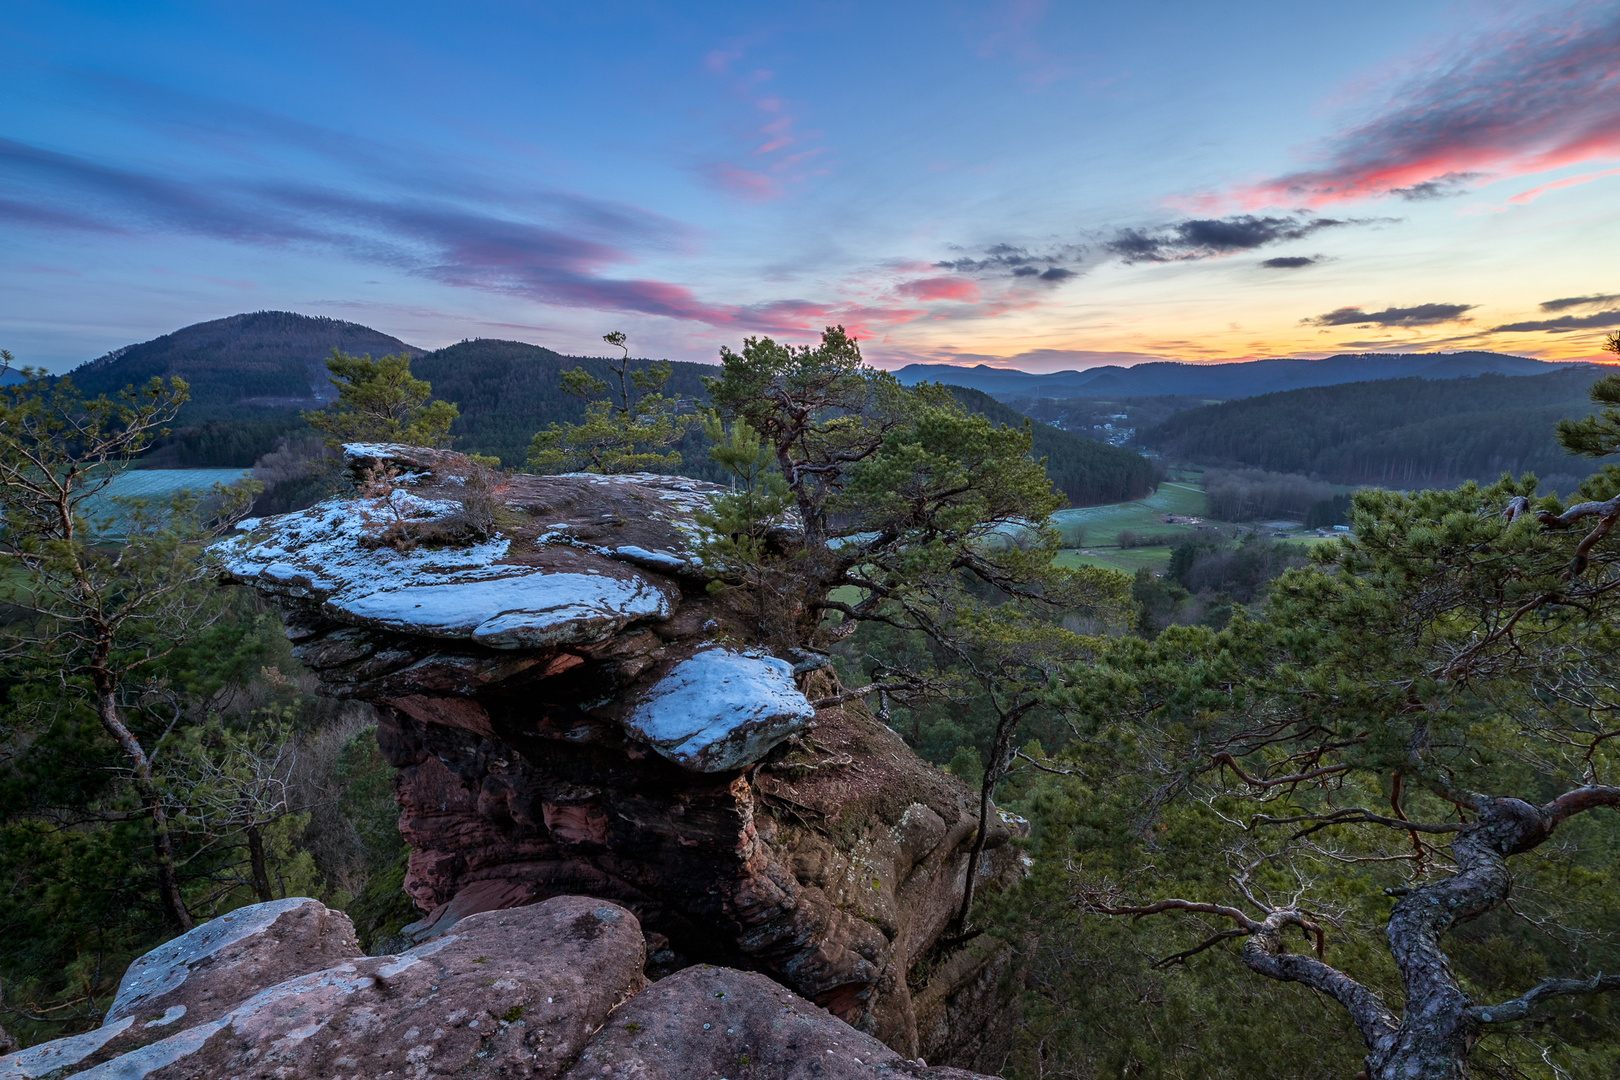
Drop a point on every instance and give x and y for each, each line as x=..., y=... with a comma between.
x=576, y=561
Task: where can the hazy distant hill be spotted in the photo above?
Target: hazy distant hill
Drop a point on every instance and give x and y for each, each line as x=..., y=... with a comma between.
x=1224, y=380
x=265, y=359
x=1398, y=432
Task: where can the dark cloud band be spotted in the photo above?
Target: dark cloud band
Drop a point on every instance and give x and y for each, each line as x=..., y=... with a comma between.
x=1567, y=302
x=1563, y=324
x=1416, y=315
x=1205, y=238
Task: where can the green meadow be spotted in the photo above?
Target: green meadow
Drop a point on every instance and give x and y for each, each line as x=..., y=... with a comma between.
x=1090, y=532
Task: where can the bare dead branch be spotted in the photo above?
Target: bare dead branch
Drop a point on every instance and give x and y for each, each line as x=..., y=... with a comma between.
x=1521, y=1006
x=1185, y=954
x=1249, y=925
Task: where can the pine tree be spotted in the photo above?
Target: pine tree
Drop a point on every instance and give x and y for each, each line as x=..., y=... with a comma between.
x=628, y=423
x=100, y=613
x=380, y=401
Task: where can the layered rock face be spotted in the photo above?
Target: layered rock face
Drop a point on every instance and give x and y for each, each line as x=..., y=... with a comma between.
x=280, y=991
x=571, y=712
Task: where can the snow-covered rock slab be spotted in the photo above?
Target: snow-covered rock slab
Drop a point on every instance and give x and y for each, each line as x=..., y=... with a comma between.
x=172, y=995
x=721, y=709
x=514, y=611
x=330, y=554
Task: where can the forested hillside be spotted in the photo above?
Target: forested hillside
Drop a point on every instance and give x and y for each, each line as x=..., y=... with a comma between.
x=508, y=390
x=1395, y=432
x=1086, y=471
x=254, y=361
x=252, y=374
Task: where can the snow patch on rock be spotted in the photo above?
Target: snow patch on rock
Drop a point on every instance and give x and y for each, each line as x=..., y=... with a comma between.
x=47, y=1058
x=329, y=553
x=168, y=965
x=721, y=709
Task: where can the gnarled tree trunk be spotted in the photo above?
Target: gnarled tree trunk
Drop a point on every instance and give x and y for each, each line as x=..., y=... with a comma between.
x=1439, y=1024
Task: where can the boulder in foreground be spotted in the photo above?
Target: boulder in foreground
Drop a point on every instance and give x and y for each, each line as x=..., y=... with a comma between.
x=513, y=993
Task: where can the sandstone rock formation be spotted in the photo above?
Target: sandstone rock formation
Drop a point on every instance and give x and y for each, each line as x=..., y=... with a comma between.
x=571, y=712
x=710, y=1021
x=213, y=966
x=513, y=993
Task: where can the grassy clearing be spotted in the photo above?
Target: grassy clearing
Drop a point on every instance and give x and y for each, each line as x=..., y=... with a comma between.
x=1094, y=526
x=1126, y=561
x=1092, y=530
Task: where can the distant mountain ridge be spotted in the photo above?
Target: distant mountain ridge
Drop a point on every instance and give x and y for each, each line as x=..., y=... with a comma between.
x=251, y=374
x=1234, y=380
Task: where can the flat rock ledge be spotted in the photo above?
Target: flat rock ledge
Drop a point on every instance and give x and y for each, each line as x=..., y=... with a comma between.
x=502, y=574
x=571, y=712
x=541, y=991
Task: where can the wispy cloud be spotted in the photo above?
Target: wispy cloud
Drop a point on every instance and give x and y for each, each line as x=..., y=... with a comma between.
x=1017, y=262
x=1011, y=29
x=444, y=241
x=1564, y=323
x=1539, y=95
x=1416, y=315
x=1539, y=190
x=1566, y=302
x=939, y=288
x=773, y=154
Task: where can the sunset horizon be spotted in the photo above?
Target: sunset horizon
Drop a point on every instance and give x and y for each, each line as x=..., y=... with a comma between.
x=1440, y=179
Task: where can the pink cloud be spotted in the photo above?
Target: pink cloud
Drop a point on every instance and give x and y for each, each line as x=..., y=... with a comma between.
x=752, y=184
x=940, y=288
x=772, y=170
x=720, y=60
x=1014, y=33
x=1568, y=181
x=1528, y=99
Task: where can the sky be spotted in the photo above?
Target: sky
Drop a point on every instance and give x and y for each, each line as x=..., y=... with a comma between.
x=1018, y=183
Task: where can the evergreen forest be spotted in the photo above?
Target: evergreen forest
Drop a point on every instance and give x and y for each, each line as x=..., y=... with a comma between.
x=1401, y=433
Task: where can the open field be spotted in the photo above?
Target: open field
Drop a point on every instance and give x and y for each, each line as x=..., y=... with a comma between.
x=1088, y=525
x=1126, y=561
x=1092, y=529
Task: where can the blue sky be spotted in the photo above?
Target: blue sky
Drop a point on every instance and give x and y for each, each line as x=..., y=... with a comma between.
x=1040, y=185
